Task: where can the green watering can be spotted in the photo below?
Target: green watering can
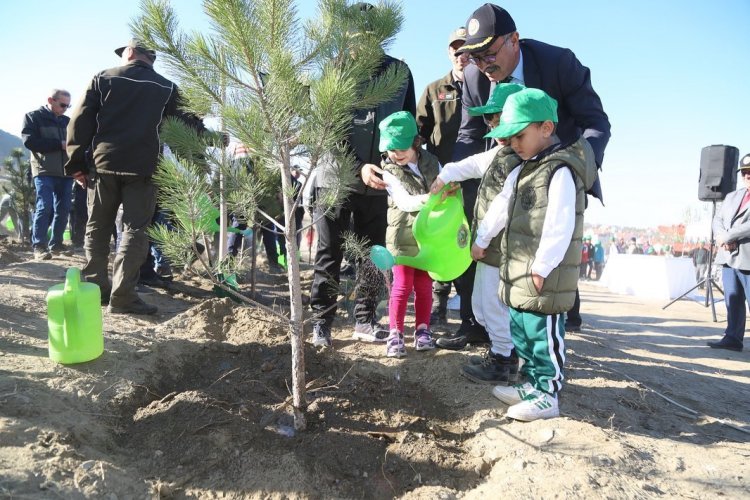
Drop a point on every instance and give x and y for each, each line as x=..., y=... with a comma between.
x=207, y=218
x=442, y=235
x=74, y=319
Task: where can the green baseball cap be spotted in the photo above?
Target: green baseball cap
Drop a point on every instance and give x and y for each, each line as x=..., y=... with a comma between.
x=523, y=108
x=397, y=131
x=497, y=99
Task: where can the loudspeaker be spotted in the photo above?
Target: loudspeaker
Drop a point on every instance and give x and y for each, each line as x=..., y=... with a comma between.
x=718, y=175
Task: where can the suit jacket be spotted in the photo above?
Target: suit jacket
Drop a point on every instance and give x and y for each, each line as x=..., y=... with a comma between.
x=558, y=72
x=732, y=227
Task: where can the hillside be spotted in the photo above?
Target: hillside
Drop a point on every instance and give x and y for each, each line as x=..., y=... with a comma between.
x=8, y=142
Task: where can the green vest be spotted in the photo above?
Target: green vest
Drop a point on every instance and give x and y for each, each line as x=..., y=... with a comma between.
x=527, y=211
x=398, y=236
x=490, y=186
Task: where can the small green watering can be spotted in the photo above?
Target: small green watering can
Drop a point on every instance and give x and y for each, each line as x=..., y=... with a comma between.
x=207, y=218
x=74, y=319
x=442, y=235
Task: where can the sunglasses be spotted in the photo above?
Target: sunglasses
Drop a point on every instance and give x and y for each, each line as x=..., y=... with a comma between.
x=62, y=104
x=491, y=57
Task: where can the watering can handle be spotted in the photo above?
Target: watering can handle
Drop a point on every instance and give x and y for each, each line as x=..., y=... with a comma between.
x=72, y=280
x=436, y=199
x=70, y=306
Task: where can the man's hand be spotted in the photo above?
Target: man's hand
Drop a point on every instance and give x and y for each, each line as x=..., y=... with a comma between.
x=730, y=247
x=538, y=282
x=81, y=179
x=437, y=186
x=370, y=178
x=477, y=252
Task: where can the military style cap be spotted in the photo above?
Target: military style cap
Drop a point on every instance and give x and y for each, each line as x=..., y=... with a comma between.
x=397, y=131
x=486, y=23
x=497, y=100
x=458, y=35
x=745, y=162
x=522, y=109
x=139, y=46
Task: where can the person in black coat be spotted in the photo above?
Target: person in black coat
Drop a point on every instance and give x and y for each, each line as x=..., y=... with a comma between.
x=498, y=54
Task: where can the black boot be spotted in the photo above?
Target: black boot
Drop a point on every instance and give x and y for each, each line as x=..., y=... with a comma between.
x=494, y=369
x=469, y=332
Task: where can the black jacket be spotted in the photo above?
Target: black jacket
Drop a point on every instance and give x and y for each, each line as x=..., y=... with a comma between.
x=364, y=137
x=43, y=134
x=119, y=119
x=558, y=72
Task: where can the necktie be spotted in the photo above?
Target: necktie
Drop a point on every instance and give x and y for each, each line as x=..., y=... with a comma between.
x=745, y=201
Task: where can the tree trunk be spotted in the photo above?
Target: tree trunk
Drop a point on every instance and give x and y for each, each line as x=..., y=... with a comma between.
x=299, y=404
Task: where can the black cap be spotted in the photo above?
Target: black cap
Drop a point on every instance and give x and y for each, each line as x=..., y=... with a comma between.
x=139, y=46
x=486, y=23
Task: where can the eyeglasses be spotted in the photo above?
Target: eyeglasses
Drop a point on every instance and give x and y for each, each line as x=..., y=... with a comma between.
x=744, y=172
x=489, y=58
x=62, y=104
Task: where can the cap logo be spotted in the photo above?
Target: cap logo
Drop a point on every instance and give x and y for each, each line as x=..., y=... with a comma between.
x=746, y=161
x=473, y=26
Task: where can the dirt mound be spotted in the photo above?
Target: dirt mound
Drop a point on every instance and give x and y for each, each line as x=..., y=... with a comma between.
x=224, y=320
x=219, y=418
x=10, y=251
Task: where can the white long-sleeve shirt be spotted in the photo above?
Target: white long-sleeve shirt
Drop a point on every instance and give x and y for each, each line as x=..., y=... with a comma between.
x=559, y=221
x=472, y=167
x=404, y=201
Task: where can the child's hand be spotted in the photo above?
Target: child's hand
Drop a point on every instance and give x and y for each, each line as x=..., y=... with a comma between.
x=538, y=282
x=477, y=252
x=452, y=188
x=437, y=186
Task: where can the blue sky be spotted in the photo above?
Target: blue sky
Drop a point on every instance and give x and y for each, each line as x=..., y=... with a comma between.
x=673, y=76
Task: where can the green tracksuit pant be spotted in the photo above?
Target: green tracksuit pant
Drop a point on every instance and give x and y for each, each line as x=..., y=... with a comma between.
x=539, y=342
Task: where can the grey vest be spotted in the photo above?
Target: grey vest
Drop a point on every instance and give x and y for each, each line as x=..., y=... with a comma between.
x=399, y=237
x=527, y=211
x=490, y=186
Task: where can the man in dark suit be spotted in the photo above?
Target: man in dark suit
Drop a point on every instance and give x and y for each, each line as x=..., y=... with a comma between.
x=498, y=54
x=731, y=226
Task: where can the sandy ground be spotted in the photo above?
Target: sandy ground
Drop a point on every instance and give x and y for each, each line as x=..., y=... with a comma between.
x=184, y=404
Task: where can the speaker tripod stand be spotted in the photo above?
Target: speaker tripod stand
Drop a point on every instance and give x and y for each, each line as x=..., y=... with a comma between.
x=707, y=280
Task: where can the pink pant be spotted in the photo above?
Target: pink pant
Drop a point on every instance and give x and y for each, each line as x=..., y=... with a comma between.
x=406, y=279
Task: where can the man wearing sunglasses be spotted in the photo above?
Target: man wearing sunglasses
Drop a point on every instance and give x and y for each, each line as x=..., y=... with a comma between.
x=498, y=54
x=44, y=133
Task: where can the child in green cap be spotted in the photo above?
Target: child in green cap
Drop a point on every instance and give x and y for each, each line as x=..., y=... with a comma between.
x=408, y=171
x=500, y=364
x=540, y=209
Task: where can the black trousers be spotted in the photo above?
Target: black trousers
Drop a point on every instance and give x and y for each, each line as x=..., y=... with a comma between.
x=78, y=215
x=365, y=216
x=573, y=317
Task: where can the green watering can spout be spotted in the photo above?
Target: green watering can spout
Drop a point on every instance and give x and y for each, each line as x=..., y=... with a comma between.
x=74, y=320
x=442, y=235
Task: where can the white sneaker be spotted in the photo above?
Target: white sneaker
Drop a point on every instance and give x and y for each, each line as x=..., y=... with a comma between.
x=542, y=406
x=513, y=394
x=395, y=347
x=370, y=332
